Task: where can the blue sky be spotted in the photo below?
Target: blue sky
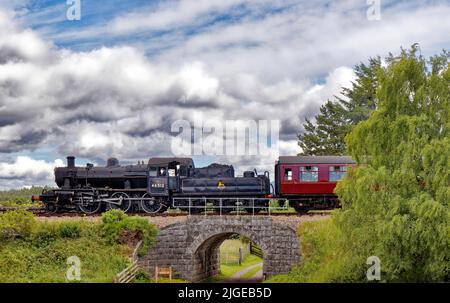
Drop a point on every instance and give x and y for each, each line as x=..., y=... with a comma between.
x=112, y=83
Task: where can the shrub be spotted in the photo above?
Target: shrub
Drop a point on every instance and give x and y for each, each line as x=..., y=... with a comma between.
x=69, y=230
x=45, y=234
x=117, y=227
x=16, y=223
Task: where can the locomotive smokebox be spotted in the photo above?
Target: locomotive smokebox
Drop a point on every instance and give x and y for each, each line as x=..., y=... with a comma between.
x=71, y=161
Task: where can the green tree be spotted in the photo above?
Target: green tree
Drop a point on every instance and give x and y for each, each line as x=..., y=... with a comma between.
x=326, y=136
x=337, y=118
x=396, y=205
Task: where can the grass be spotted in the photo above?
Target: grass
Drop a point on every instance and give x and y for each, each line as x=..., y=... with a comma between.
x=167, y=280
x=325, y=256
x=229, y=251
x=19, y=198
x=33, y=251
x=227, y=271
x=42, y=257
x=252, y=272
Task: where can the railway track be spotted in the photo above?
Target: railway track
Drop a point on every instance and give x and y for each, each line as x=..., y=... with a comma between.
x=41, y=212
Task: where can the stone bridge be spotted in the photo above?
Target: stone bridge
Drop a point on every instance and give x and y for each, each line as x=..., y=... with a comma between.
x=192, y=247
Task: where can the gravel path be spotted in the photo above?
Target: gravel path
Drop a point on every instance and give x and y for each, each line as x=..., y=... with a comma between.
x=237, y=277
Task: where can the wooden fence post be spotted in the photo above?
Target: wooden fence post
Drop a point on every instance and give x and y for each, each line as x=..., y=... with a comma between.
x=240, y=255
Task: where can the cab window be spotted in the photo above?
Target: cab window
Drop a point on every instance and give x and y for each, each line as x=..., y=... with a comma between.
x=336, y=173
x=153, y=172
x=161, y=171
x=183, y=171
x=288, y=174
x=309, y=173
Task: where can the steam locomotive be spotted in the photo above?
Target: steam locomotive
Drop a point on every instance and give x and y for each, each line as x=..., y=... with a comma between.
x=307, y=182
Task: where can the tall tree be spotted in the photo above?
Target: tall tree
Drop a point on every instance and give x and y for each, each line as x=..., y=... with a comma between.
x=336, y=118
x=325, y=137
x=397, y=205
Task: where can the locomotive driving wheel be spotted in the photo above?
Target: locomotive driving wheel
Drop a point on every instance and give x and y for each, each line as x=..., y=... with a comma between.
x=124, y=202
x=88, y=206
x=150, y=206
x=51, y=208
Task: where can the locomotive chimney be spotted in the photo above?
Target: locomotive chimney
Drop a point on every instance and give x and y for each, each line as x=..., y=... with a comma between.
x=71, y=161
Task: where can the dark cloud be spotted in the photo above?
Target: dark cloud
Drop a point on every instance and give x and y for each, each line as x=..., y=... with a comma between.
x=10, y=55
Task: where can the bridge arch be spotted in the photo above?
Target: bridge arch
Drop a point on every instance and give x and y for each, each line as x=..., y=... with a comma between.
x=192, y=247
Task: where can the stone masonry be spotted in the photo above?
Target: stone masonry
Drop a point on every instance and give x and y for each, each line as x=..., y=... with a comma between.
x=192, y=247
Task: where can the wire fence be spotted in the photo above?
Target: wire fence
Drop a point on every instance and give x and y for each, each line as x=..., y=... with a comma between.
x=226, y=206
x=235, y=258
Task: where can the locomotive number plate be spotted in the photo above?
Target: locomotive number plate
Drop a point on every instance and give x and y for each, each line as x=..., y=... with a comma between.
x=158, y=185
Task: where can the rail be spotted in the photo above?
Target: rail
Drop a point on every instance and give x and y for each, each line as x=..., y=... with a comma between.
x=241, y=205
x=128, y=274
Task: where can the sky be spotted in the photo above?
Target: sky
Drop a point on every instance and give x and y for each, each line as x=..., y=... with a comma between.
x=112, y=83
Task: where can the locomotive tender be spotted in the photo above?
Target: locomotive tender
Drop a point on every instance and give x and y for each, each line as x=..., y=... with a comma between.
x=307, y=182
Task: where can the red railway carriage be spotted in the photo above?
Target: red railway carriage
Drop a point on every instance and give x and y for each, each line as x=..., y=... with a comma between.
x=308, y=182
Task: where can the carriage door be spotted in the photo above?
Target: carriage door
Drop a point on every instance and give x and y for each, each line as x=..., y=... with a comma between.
x=158, y=181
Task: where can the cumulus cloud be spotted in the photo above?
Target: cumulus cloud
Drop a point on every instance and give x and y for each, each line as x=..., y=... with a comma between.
x=27, y=171
x=117, y=101
x=233, y=60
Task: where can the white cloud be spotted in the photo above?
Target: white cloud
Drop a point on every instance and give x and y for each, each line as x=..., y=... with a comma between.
x=116, y=101
x=27, y=170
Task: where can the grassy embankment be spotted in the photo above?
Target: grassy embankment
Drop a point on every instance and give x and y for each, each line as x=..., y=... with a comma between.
x=32, y=251
x=325, y=257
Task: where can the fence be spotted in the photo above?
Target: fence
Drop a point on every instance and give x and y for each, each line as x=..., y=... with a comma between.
x=233, y=258
x=129, y=273
x=256, y=250
x=238, y=205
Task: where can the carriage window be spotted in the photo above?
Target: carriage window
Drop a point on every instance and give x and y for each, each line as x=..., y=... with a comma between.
x=336, y=173
x=153, y=172
x=288, y=174
x=309, y=173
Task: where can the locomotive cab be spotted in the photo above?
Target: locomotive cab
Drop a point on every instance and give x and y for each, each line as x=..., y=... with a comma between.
x=164, y=174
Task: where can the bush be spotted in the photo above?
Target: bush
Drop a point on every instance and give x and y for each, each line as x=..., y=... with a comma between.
x=69, y=230
x=16, y=223
x=117, y=227
x=45, y=234
x=42, y=256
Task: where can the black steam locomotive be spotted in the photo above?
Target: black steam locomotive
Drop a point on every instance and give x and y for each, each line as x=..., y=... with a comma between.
x=155, y=186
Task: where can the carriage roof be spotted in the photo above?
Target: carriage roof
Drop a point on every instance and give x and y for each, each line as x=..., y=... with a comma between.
x=316, y=160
